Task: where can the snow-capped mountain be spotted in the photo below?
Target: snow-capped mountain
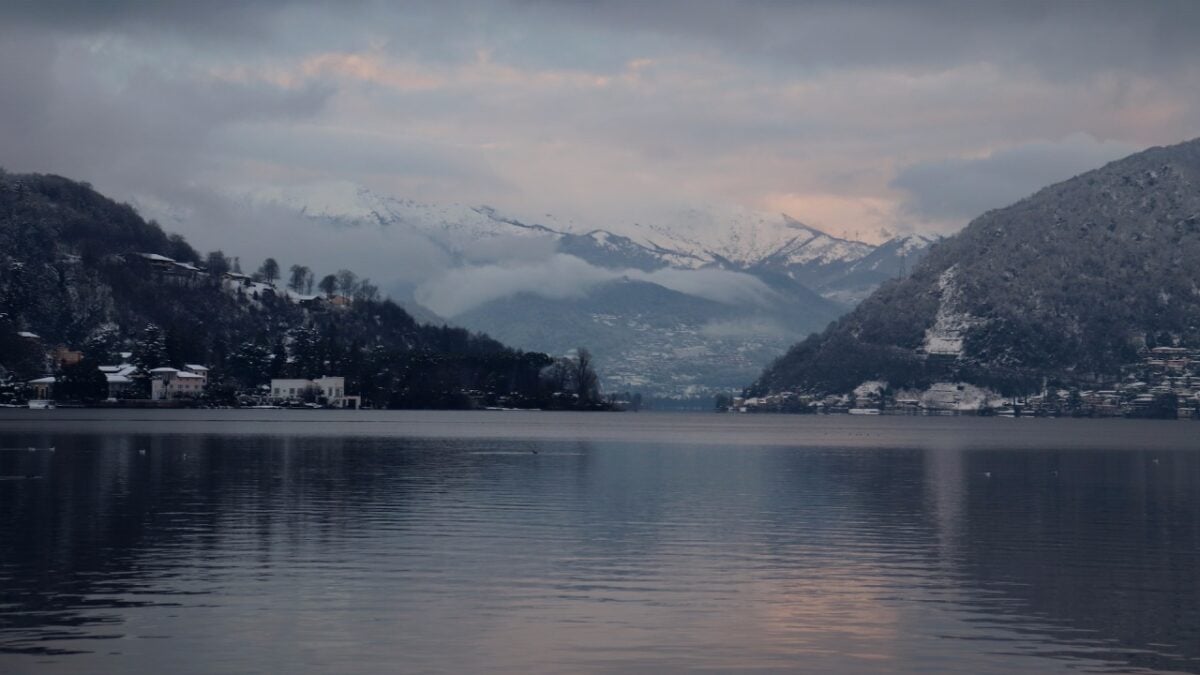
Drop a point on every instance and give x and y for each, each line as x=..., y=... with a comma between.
x=724, y=237
x=664, y=308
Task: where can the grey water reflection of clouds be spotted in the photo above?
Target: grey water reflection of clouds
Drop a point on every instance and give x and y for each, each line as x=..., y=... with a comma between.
x=617, y=545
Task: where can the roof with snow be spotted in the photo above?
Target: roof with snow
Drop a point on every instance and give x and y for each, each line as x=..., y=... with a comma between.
x=27, y=334
x=156, y=257
x=164, y=369
x=195, y=368
x=49, y=379
x=114, y=378
x=125, y=369
x=188, y=376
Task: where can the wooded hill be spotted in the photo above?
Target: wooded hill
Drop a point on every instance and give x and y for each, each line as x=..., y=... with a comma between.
x=72, y=272
x=1065, y=286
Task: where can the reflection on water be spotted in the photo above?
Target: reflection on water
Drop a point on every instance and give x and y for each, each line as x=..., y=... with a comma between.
x=304, y=550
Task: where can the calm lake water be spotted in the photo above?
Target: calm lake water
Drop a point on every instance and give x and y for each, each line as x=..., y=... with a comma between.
x=371, y=542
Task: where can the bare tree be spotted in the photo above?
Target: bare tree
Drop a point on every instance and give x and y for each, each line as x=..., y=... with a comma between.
x=366, y=290
x=300, y=276
x=328, y=285
x=587, y=383
x=347, y=282
x=269, y=270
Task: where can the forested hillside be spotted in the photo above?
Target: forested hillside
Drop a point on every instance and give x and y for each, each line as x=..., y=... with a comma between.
x=1065, y=286
x=74, y=273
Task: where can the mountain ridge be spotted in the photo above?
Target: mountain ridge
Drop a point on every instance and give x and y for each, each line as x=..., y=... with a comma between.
x=1064, y=286
x=814, y=276
x=743, y=240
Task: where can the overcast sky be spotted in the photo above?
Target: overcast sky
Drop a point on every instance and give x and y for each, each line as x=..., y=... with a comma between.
x=896, y=115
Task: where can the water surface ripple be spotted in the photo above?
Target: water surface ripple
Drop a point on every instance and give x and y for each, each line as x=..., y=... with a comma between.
x=315, y=542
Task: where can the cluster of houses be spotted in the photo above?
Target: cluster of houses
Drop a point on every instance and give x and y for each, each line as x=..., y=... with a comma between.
x=190, y=382
x=1165, y=383
x=127, y=383
x=1166, y=377
x=121, y=380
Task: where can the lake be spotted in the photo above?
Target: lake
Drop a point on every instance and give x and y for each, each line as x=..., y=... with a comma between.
x=365, y=542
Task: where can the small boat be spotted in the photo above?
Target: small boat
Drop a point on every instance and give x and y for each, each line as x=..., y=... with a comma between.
x=864, y=411
x=41, y=404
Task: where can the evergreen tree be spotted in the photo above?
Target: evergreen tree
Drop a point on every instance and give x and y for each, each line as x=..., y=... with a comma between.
x=150, y=350
x=82, y=382
x=217, y=263
x=103, y=344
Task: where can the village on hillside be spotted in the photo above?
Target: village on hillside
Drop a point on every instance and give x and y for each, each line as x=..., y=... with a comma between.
x=1164, y=383
x=128, y=384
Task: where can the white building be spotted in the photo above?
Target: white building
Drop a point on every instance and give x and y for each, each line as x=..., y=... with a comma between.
x=43, y=387
x=119, y=379
x=169, y=383
x=332, y=389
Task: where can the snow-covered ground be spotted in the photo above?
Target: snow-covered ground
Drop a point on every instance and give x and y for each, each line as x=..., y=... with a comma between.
x=945, y=337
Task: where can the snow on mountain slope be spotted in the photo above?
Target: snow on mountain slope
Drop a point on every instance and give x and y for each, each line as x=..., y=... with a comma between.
x=688, y=238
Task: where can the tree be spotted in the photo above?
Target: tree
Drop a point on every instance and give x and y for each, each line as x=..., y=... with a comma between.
x=150, y=350
x=307, y=357
x=102, y=345
x=217, y=263
x=1163, y=407
x=723, y=402
x=82, y=381
x=587, y=383
x=269, y=270
x=179, y=249
x=366, y=291
x=329, y=284
x=347, y=281
x=300, y=278
x=555, y=377
x=250, y=364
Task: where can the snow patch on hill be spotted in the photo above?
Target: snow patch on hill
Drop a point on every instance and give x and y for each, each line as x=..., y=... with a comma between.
x=945, y=337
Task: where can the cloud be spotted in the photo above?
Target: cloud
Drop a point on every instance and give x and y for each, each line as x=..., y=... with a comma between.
x=724, y=286
x=462, y=289
x=959, y=189
x=253, y=231
x=846, y=116
x=561, y=276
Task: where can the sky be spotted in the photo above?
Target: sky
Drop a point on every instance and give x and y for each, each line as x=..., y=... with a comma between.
x=856, y=118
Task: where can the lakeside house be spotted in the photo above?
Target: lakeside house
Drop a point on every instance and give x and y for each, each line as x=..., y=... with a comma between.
x=330, y=388
x=169, y=383
x=119, y=379
x=42, y=388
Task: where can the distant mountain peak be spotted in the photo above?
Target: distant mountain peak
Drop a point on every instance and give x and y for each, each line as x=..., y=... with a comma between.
x=694, y=237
